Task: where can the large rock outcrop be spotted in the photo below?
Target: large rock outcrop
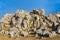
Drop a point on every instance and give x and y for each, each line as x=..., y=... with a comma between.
x=34, y=23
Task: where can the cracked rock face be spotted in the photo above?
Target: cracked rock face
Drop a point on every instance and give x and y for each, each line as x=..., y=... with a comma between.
x=36, y=23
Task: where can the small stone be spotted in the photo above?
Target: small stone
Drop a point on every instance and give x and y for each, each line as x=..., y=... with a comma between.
x=24, y=33
x=2, y=31
x=12, y=34
x=52, y=34
x=58, y=29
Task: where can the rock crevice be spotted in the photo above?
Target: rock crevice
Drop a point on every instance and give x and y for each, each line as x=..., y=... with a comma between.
x=34, y=23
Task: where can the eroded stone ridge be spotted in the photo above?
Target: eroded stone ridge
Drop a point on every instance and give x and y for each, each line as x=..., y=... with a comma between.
x=34, y=23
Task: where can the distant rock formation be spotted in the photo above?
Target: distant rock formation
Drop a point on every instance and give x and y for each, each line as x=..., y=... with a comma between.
x=34, y=23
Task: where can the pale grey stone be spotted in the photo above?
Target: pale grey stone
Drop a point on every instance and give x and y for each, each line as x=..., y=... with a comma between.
x=24, y=33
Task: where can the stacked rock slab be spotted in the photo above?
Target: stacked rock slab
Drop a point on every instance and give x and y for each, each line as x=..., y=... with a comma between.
x=34, y=23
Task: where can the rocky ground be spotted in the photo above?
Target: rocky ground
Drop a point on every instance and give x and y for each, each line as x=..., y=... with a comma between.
x=34, y=25
x=6, y=37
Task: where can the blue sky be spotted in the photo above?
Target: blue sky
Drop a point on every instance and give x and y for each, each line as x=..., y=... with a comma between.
x=10, y=6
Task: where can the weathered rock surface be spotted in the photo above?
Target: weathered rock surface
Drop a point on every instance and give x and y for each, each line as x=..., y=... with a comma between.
x=35, y=23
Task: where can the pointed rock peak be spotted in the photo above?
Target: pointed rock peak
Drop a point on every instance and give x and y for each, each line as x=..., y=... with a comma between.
x=17, y=11
x=42, y=12
x=58, y=14
x=22, y=11
x=35, y=11
x=7, y=16
x=39, y=12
